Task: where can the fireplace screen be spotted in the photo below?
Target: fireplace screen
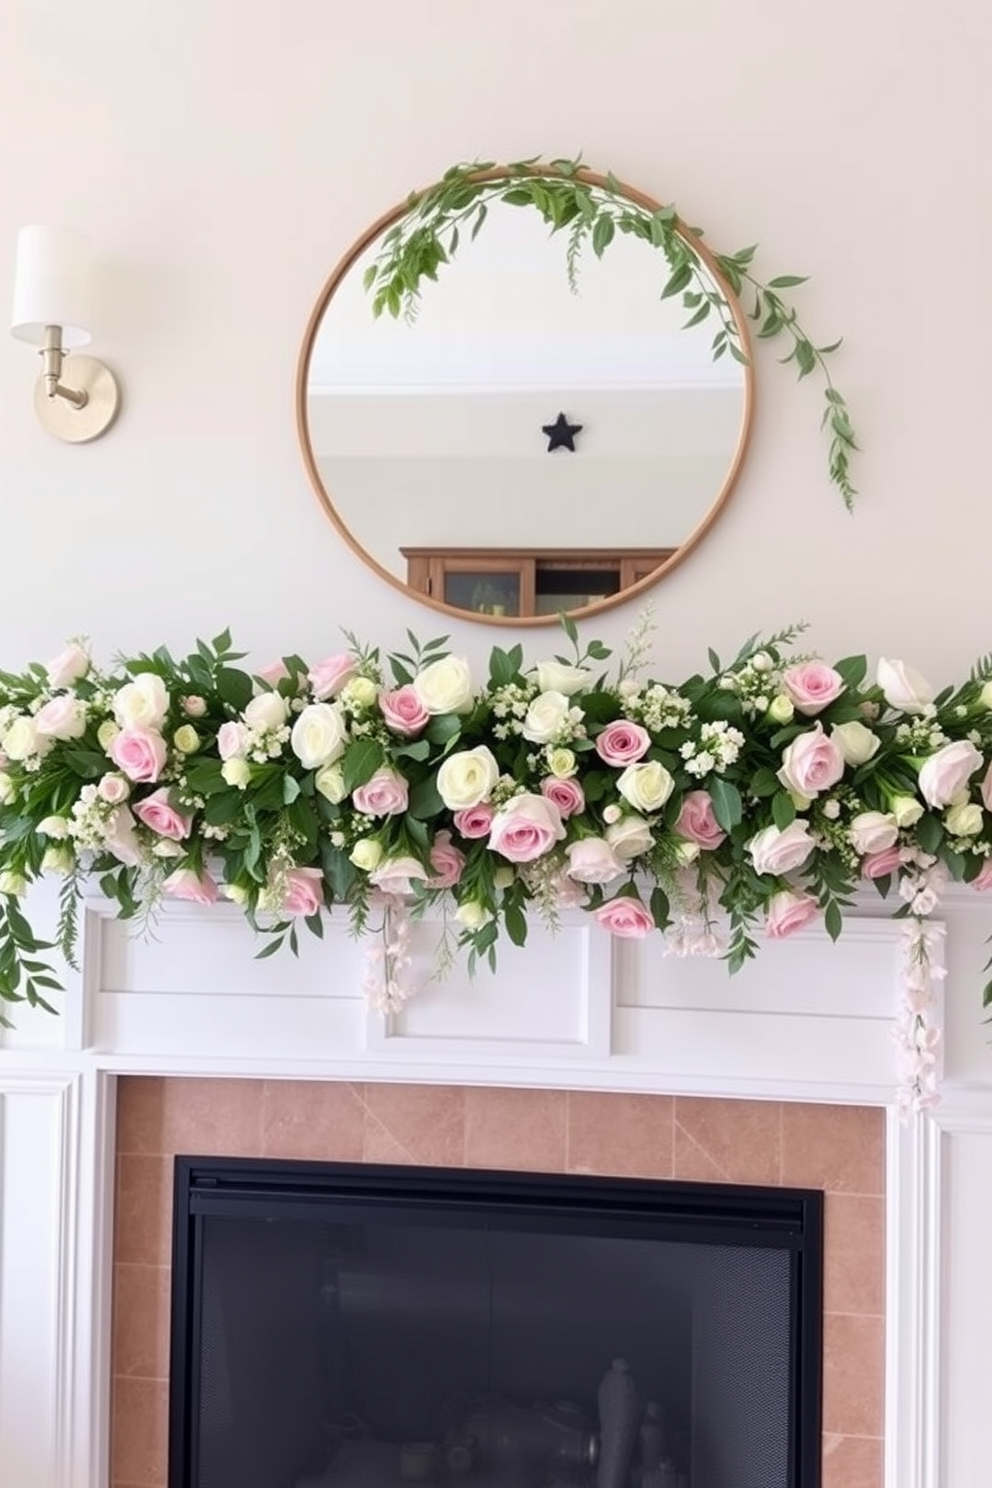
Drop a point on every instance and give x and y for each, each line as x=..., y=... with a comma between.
x=344, y=1326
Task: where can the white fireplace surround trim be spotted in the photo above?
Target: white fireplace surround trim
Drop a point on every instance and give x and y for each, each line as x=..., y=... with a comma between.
x=808, y=1021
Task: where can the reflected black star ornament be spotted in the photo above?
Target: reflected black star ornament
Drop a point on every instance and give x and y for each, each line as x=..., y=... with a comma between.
x=561, y=434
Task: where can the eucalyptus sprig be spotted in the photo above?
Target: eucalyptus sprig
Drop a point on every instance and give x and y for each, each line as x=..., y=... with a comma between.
x=591, y=210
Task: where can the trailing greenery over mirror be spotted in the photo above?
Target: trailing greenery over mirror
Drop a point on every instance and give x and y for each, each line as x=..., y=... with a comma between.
x=591, y=211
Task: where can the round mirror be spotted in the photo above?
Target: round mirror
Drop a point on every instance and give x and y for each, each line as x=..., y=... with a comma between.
x=528, y=424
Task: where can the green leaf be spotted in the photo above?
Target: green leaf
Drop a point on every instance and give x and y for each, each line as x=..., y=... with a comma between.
x=852, y=669
x=727, y=805
x=442, y=727
x=236, y=688
x=833, y=919
x=361, y=760
x=783, y=810
x=516, y=923
x=764, y=782
x=424, y=800
x=660, y=908
x=787, y=281
x=602, y=235
x=929, y=833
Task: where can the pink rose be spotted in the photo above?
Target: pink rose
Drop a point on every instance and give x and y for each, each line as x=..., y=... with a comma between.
x=329, y=676
x=984, y=878
x=475, y=821
x=140, y=753
x=113, y=788
x=119, y=838
x=403, y=711
x=193, y=706
x=386, y=794
x=812, y=686
x=160, y=817
x=873, y=832
x=593, y=861
x=567, y=795
x=697, y=822
x=198, y=888
x=787, y=912
x=622, y=743
x=626, y=917
x=779, y=850
x=62, y=717
x=446, y=861
x=881, y=864
x=526, y=828
x=273, y=673
x=68, y=666
x=948, y=771
x=811, y=763
x=232, y=740
x=304, y=892
x=398, y=875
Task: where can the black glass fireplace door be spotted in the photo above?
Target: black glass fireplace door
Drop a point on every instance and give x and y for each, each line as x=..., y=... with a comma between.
x=361, y=1327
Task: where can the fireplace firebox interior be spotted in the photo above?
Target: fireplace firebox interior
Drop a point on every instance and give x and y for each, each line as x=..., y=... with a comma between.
x=355, y=1326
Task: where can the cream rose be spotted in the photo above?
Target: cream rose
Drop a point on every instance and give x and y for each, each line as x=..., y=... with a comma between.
x=366, y=854
x=13, y=884
x=964, y=820
x=562, y=763
x=556, y=676
x=467, y=777
x=58, y=859
x=22, y=739
x=629, y=838
x=472, y=915
x=318, y=735
x=360, y=692
x=781, y=709
x=445, y=686
x=186, y=739
x=142, y=703
x=646, y=786
x=856, y=742
x=8, y=790
x=236, y=772
x=56, y=827
x=544, y=717
x=329, y=783
x=906, y=810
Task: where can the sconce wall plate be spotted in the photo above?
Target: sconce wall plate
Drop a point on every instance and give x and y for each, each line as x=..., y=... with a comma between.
x=88, y=375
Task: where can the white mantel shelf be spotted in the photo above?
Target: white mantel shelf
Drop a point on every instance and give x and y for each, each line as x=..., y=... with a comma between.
x=809, y=1020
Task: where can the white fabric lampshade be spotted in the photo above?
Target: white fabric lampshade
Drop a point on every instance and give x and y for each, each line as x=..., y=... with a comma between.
x=52, y=285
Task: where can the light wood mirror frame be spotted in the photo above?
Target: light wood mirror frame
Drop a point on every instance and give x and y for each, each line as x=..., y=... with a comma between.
x=395, y=214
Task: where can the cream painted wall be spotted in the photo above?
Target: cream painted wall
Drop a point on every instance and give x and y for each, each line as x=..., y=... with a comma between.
x=223, y=155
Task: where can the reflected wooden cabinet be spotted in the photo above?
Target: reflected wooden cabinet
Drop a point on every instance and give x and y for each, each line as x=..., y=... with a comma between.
x=527, y=581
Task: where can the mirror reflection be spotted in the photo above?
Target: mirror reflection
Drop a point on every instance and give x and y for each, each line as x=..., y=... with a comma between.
x=517, y=448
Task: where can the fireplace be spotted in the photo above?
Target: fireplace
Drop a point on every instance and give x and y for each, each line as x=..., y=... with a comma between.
x=362, y=1326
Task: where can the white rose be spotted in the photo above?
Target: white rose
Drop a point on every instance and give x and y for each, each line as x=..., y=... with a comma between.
x=236, y=772
x=948, y=771
x=329, y=783
x=56, y=827
x=68, y=666
x=366, y=854
x=445, y=686
x=467, y=777
x=267, y=711
x=555, y=676
x=629, y=838
x=545, y=717
x=113, y=788
x=472, y=915
x=142, y=703
x=856, y=743
x=906, y=810
x=902, y=687
x=22, y=739
x=964, y=820
x=646, y=785
x=318, y=735
x=872, y=832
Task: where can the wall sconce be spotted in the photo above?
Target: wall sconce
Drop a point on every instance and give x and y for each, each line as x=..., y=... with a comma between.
x=52, y=288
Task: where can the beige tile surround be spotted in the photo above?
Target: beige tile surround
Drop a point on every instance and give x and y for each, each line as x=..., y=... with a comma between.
x=837, y=1148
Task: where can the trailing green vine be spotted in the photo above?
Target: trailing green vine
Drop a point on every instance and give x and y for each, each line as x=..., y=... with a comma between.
x=592, y=210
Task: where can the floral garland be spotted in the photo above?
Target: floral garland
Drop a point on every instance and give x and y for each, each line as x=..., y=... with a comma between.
x=751, y=800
